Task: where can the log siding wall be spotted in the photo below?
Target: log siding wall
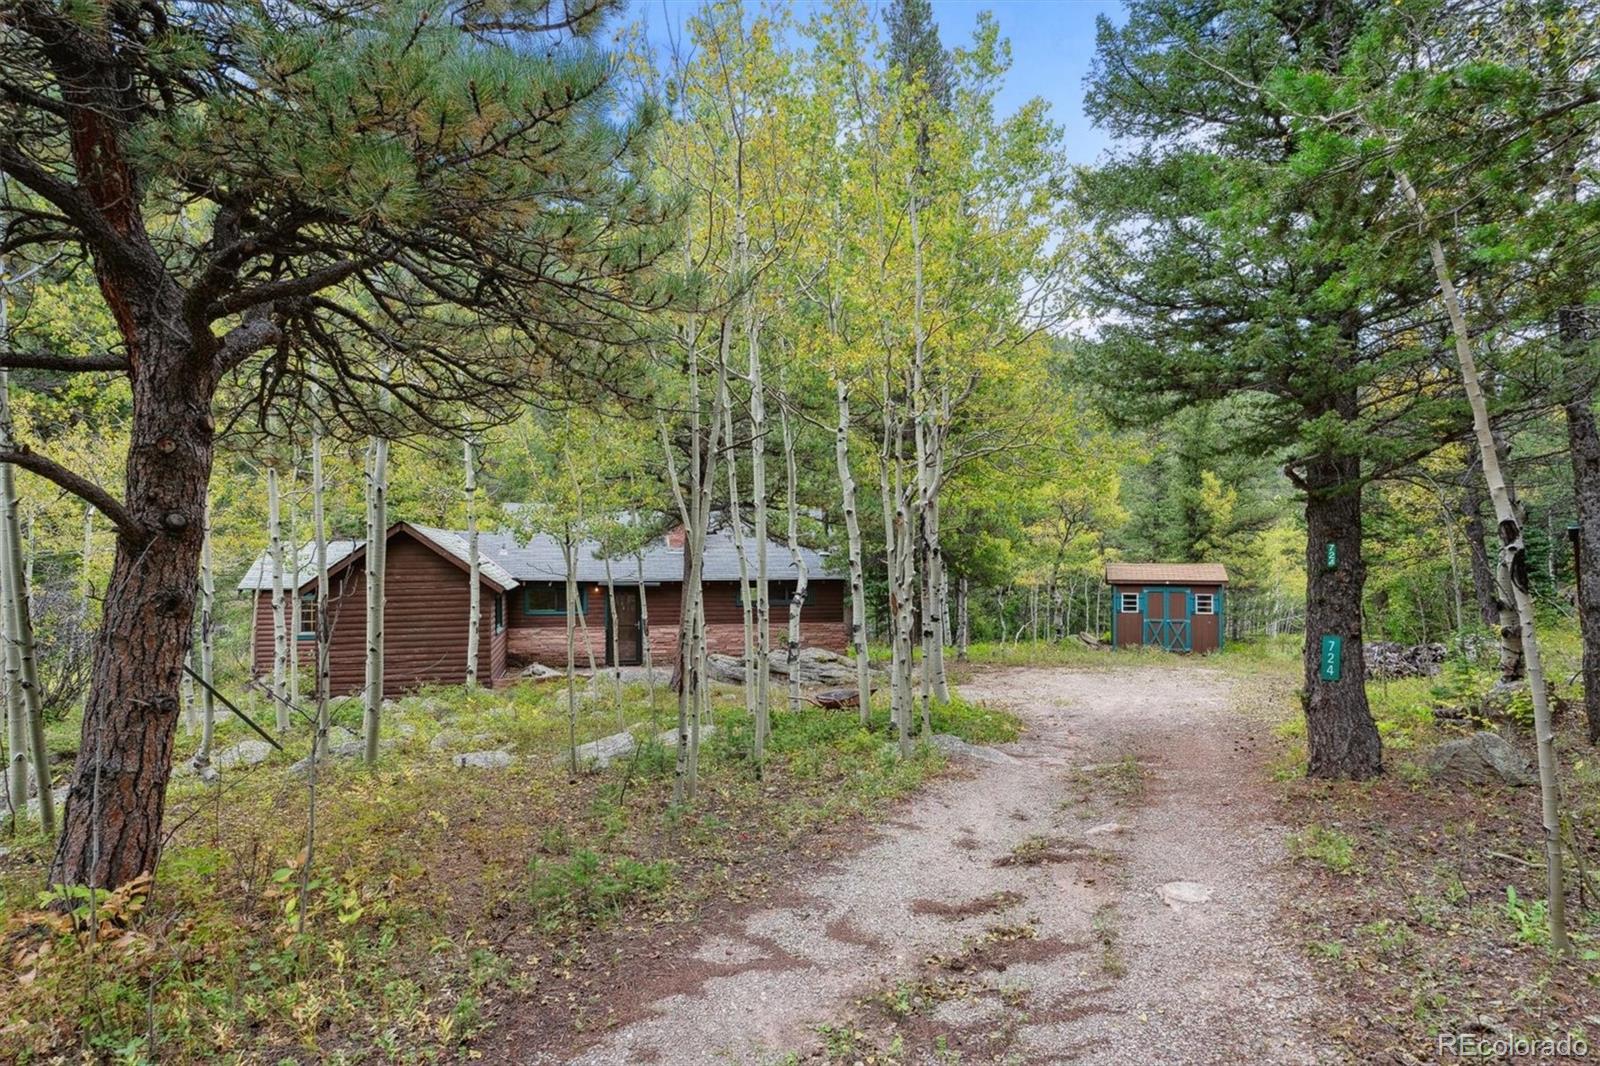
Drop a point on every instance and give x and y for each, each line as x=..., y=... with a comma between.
x=425, y=640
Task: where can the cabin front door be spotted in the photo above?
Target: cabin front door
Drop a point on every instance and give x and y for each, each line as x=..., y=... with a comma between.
x=1166, y=619
x=628, y=650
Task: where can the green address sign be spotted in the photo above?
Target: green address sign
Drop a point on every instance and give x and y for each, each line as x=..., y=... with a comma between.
x=1332, y=657
x=1333, y=556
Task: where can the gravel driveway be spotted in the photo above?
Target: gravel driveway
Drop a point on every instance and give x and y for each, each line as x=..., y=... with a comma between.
x=1104, y=895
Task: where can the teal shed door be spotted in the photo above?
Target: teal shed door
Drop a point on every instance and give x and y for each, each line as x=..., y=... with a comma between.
x=1166, y=618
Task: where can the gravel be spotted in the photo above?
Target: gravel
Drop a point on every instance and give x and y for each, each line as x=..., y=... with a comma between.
x=1205, y=982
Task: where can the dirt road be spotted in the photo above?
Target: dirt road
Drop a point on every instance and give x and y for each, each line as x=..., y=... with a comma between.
x=1103, y=892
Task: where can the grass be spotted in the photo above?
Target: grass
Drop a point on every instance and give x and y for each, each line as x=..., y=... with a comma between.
x=1436, y=918
x=433, y=891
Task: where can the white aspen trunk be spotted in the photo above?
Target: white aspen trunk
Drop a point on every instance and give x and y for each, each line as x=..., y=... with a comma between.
x=644, y=641
x=616, y=643
x=852, y=527
x=377, y=566
x=1513, y=551
x=1033, y=613
x=569, y=555
x=474, y=566
x=891, y=552
x=746, y=590
x=321, y=634
x=695, y=512
x=280, y=625
x=758, y=488
x=798, y=600
x=1000, y=600
x=963, y=622
x=16, y=712
x=19, y=618
x=938, y=588
x=208, y=644
x=922, y=489
x=292, y=588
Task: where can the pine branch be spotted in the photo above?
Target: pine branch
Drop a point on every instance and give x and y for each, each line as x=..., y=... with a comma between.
x=89, y=492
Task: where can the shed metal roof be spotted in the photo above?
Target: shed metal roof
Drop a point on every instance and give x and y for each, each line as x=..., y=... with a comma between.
x=1166, y=573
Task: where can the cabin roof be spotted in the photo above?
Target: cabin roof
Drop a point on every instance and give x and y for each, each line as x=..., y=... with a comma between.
x=447, y=543
x=539, y=559
x=1166, y=574
x=506, y=560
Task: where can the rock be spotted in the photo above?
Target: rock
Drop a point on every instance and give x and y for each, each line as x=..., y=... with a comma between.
x=1178, y=894
x=451, y=738
x=813, y=666
x=1387, y=658
x=60, y=796
x=1480, y=759
x=833, y=699
x=1089, y=640
x=484, y=760
x=1106, y=829
x=955, y=747
x=669, y=737
x=540, y=672
x=603, y=751
x=244, y=753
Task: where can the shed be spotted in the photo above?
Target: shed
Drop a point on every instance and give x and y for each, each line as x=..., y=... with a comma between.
x=1175, y=606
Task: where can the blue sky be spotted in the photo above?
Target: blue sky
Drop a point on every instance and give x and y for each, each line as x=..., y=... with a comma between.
x=1052, y=42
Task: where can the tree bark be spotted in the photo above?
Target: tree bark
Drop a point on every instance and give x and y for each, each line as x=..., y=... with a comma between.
x=474, y=566
x=112, y=824
x=1484, y=588
x=1584, y=443
x=797, y=601
x=1341, y=736
x=1514, y=555
x=377, y=575
x=208, y=642
x=280, y=625
x=852, y=528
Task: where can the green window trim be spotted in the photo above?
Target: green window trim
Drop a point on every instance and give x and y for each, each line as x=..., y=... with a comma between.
x=308, y=600
x=552, y=612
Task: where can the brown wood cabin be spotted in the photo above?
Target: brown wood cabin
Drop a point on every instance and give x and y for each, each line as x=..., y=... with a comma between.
x=523, y=606
x=1174, y=606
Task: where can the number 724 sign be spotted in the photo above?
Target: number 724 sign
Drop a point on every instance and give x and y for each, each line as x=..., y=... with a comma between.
x=1332, y=657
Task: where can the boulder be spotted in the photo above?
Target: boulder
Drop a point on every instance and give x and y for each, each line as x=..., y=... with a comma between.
x=813, y=666
x=1388, y=658
x=604, y=751
x=1480, y=759
x=955, y=747
x=540, y=672
x=484, y=760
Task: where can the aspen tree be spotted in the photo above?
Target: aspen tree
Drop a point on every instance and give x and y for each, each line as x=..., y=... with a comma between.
x=24, y=678
x=644, y=639
x=208, y=637
x=797, y=601
x=376, y=567
x=852, y=527
x=1513, y=552
x=746, y=591
x=280, y=639
x=16, y=712
x=569, y=556
x=474, y=607
x=616, y=644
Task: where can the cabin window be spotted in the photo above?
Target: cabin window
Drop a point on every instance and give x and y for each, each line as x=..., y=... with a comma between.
x=1205, y=603
x=779, y=593
x=550, y=598
x=306, y=626
x=1129, y=602
x=499, y=611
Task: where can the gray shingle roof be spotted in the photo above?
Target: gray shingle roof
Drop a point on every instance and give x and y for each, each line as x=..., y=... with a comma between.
x=259, y=576
x=540, y=559
x=508, y=561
